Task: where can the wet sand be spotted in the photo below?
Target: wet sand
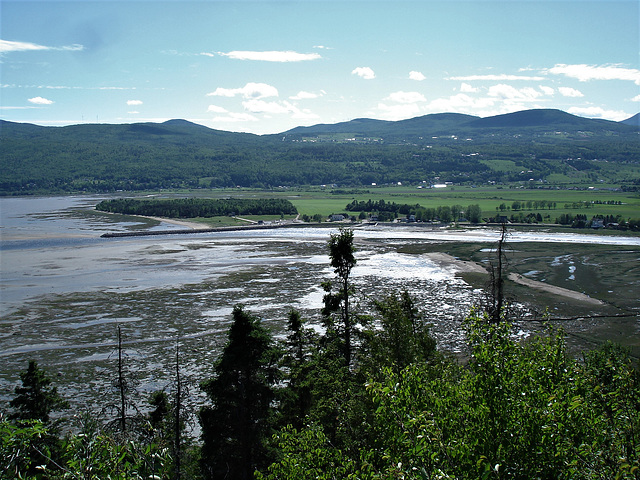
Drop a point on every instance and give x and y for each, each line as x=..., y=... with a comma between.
x=564, y=292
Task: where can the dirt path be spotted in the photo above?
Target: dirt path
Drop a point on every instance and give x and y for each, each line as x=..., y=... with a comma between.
x=565, y=292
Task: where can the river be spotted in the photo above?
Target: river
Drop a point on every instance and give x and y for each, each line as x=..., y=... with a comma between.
x=64, y=289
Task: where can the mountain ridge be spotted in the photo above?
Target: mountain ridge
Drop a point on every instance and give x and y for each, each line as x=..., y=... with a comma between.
x=534, y=145
x=430, y=123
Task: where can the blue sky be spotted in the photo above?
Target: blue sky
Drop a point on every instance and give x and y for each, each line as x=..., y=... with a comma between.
x=268, y=66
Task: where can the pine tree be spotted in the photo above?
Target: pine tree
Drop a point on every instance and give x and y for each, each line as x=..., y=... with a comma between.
x=341, y=254
x=36, y=398
x=237, y=424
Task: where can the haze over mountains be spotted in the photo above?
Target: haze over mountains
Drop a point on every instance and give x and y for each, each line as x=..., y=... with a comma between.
x=178, y=153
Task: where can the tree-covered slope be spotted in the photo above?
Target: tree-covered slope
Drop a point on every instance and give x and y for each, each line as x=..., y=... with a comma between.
x=453, y=147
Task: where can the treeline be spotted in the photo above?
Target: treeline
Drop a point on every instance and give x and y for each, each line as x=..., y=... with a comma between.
x=195, y=207
x=107, y=158
x=369, y=397
x=387, y=211
x=615, y=222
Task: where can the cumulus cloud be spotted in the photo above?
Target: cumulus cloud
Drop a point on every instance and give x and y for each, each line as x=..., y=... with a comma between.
x=466, y=88
x=570, y=92
x=40, y=101
x=233, y=117
x=271, y=56
x=302, y=95
x=250, y=90
x=585, y=73
x=216, y=109
x=499, y=78
x=547, y=90
x=598, y=112
x=413, y=75
x=275, y=108
x=406, y=97
x=636, y=98
x=398, y=112
x=364, y=72
x=459, y=103
x=508, y=92
x=134, y=102
x=9, y=46
x=260, y=106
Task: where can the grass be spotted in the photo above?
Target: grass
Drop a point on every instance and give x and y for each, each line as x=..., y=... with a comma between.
x=325, y=201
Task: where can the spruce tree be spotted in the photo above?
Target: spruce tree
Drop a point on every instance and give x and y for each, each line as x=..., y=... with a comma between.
x=237, y=424
x=36, y=398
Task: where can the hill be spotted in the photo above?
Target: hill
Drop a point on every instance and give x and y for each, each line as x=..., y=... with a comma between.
x=527, y=123
x=544, y=145
x=635, y=120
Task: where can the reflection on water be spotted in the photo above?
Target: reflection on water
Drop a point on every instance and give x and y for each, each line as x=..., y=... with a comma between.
x=64, y=289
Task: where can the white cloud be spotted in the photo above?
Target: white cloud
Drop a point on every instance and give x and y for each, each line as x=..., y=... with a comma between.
x=570, y=92
x=406, y=97
x=364, y=72
x=250, y=90
x=233, y=117
x=271, y=56
x=598, y=112
x=466, y=88
x=547, y=90
x=507, y=92
x=398, y=112
x=274, y=108
x=134, y=102
x=134, y=112
x=302, y=95
x=216, y=109
x=585, y=73
x=499, y=78
x=9, y=46
x=636, y=98
x=260, y=106
x=207, y=54
x=413, y=75
x=40, y=101
x=461, y=103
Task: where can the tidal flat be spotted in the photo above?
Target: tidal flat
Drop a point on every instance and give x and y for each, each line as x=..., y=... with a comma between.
x=65, y=290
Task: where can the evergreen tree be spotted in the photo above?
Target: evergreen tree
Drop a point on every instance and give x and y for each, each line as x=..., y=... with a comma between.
x=341, y=254
x=36, y=398
x=237, y=424
x=295, y=399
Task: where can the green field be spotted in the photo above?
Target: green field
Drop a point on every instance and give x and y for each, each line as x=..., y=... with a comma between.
x=328, y=201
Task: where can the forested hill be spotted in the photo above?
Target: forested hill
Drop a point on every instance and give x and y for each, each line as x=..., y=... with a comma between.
x=536, y=144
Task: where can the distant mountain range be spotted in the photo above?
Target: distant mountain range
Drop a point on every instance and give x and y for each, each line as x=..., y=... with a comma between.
x=177, y=153
x=527, y=122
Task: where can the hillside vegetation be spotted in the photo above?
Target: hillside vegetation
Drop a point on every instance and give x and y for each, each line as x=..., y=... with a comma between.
x=544, y=146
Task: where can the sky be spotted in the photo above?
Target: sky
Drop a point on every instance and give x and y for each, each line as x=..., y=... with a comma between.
x=268, y=66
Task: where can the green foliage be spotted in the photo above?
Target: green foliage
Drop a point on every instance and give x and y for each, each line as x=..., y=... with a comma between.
x=342, y=259
x=36, y=398
x=237, y=424
x=519, y=409
x=197, y=207
x=89, y=455
x=18, y=443
x=402, y=337
x=105, y=158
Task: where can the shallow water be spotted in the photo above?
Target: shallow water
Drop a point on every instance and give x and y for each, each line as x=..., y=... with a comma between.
x=64, y=290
